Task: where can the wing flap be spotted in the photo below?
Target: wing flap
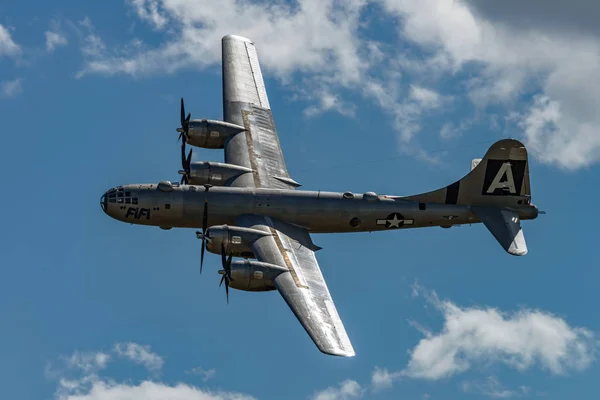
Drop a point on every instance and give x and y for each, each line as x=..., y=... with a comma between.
x=505, y=225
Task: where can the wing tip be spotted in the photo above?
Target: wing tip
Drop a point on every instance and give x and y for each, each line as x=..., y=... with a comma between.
x=236, y=38
x=347, y=351
x=518, y=253
x=339, y=353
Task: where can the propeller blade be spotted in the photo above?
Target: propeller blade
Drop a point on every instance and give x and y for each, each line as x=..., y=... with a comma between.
x=205, y=217
x=202, y=253
x=227, y=289
x=223, y=261
x=188, y=160
x=182, y=113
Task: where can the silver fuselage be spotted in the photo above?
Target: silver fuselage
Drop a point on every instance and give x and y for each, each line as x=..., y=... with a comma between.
x=316, y=211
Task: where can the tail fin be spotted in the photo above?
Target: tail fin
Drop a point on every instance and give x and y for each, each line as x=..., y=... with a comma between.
x=500, y=179
x=498, y=191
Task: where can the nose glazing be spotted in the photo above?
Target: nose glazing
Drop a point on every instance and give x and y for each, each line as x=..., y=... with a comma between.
x=104, y=201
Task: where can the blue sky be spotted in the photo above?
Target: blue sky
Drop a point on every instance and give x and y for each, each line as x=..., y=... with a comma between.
x=388, y=96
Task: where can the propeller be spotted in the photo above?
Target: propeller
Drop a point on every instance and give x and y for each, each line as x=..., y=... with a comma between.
x=185, y=124
x=183, y=136
x=203, y=235
x=226, y=271
x=185, y=164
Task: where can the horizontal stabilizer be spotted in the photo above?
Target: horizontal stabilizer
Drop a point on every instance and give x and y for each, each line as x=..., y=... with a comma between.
x=505, y=225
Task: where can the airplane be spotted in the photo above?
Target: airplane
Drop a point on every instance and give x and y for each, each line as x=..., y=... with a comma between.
x=250, y=208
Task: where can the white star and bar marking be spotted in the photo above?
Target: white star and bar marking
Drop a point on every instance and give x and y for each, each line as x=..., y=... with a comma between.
x=395, y=220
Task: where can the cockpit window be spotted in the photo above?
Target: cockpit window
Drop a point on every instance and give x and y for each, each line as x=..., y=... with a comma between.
x=119, y=200
x=134, y=200
x=112, y=200
x=127, y=194
x=127, y=200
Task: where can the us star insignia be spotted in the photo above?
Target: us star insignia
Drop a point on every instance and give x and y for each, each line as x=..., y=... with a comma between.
x=395, y=220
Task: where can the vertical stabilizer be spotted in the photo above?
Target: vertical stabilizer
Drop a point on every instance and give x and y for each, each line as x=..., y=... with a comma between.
x=500, y=178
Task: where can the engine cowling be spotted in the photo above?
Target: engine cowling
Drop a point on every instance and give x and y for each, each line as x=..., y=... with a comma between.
x=214, y=173
x=236, y=239
x=211, y=134
x=254, y=276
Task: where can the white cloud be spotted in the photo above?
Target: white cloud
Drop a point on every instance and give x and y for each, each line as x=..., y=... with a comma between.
x=148, y=10
x=206, y=374
x=426, y=98
x=474, y=53
x=54, y=39
x=86, y=22
x=11, y=88
x=94, y=388
x=508, y=59
x=7, y=45
x=87, y=362
x=491, y=387
x=383, y=379
x=477, y=335
x=81, y=380
x=329, y=101
x=450, y=130
x=140, y=354
x=323, y=34
x=347, y=389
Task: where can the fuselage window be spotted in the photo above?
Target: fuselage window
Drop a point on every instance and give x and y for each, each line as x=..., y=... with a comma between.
x=167, y=206
x=134, y=200
x=422, y=206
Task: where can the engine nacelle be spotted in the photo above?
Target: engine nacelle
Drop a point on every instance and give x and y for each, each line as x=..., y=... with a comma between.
x=236, y=239
x=211, y=134
x=214, y=173
x=254, y=276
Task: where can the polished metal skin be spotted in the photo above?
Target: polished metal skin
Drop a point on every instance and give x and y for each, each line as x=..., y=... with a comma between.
x=253, y=210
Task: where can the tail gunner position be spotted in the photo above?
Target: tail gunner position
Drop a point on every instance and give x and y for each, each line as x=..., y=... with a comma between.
x=249, y=207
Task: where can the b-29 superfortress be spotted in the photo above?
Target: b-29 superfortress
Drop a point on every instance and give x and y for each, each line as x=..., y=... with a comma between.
x=250, y=208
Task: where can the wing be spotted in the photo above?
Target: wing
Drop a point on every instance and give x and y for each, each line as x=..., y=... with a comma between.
x=245, y=103
x=303, y=288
